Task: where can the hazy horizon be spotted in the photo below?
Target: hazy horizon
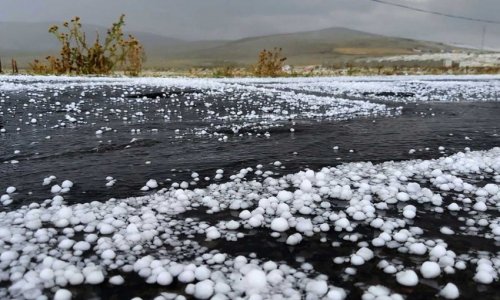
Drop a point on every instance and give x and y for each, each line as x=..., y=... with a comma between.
x=232, y=19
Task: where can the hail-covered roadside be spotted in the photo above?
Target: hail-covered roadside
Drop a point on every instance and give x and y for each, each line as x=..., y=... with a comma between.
x=53, y=244
x=384, y=230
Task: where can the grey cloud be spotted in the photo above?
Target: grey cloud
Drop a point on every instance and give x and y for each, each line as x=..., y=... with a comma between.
x=229, y=19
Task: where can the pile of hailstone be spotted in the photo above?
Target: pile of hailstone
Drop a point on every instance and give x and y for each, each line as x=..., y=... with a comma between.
x=50, y=245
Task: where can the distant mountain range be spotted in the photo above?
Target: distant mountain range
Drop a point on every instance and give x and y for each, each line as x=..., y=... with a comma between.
x=27, y=41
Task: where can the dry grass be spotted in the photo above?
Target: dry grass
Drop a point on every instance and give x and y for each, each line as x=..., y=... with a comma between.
x=15, y=69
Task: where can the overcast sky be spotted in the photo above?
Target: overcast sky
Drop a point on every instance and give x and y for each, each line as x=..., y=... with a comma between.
x=230, y=19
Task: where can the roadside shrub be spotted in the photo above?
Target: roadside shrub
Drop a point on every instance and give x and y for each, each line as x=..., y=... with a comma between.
x=79, y=57
x=270, y=63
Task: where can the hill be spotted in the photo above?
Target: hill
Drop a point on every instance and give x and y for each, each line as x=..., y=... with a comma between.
x=325, y=46
x=26, y=41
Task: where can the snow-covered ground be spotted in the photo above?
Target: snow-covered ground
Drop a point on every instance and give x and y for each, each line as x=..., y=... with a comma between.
x=464, y=59
x=254, y=106
x=398, y=88
x=402, y=220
